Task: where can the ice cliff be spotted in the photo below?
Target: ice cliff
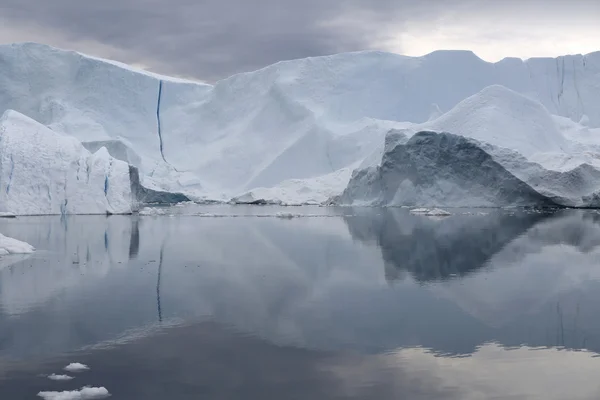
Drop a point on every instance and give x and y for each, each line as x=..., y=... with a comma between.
x=291, y=132
x=47, y=172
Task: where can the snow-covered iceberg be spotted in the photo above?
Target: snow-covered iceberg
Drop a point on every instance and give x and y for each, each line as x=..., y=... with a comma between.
x=439, y=169
x=47, y=172
x=495, y=155
x=291, y=132
x=276, y=134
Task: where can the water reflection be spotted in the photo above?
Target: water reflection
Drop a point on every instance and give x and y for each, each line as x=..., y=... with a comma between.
x=311, y=292
x=437, y=249
x=209, y=360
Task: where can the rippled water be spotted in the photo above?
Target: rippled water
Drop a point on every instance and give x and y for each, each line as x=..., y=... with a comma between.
x=340, y=303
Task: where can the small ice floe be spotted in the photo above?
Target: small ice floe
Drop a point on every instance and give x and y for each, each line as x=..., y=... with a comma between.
x=151, y=211
x=9, y=245
x=85, y=393
x=210, y=215
x=56, y=377
x=285, y=215
x=438, y=212
x=430, y=212
x=4, y=214
x=76, y=367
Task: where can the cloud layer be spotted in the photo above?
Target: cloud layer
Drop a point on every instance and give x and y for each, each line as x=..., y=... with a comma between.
x=211, y=39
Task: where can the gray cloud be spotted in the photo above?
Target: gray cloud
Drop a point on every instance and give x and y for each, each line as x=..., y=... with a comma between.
x=211, y=39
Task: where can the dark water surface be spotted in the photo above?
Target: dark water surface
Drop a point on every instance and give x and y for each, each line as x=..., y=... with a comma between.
x=340, y=303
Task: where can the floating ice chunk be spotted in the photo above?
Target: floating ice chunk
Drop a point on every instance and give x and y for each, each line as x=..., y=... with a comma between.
x=437, y=212
x=76, y=367
x=152, y=211
x=285, y=215
x=85, y=393
x=13, y=246
x=419, y=211
x=430, y=212
x=4, y=214
x=56, y=377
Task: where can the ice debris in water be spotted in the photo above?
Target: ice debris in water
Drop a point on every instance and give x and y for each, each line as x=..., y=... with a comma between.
x=56, y=377
x=152, y=211
x=85, y=393
x=419, y=211
x=76, y=367
x=284, y=215
x=435, y=212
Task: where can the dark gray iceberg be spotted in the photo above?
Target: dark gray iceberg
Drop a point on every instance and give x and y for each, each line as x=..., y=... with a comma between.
x=442, y=170
x=143, y=195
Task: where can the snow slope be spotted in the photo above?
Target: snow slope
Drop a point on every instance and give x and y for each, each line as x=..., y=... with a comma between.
x=45, y=172
x=295, y=120
x=502, y=117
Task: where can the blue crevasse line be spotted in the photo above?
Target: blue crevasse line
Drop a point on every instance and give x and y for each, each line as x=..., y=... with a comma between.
x=10, y=174
x=63, y=207
x=160, y=85
x=106, y=185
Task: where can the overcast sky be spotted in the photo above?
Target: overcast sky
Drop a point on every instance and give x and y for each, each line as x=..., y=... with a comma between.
x=212, y=39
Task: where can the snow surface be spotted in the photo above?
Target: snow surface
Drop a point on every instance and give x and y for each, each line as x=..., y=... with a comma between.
x=505, y=118
x=13, y=246
x=274, y=134
x=47, y=172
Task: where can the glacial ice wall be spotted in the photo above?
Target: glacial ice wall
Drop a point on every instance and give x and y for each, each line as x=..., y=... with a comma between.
x=292, y=120
x=45, y=172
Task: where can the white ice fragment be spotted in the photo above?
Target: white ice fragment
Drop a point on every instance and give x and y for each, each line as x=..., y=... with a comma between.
x=85, y=393
x=76, y=367
x=437, y=212
x=419, y=211
x=430, y=212
x=56, y=377
x=284, y=215
x=152, y=211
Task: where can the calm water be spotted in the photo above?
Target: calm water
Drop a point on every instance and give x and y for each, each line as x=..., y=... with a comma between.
x=341, y=303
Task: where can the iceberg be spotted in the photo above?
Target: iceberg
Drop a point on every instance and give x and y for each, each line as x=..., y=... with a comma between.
x=290, y=133
x=13, y=246
x=45, y=172
x=439, y=170
x=494, y=149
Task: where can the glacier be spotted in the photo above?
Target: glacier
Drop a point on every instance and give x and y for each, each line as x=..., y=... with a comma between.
x=293, y=132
